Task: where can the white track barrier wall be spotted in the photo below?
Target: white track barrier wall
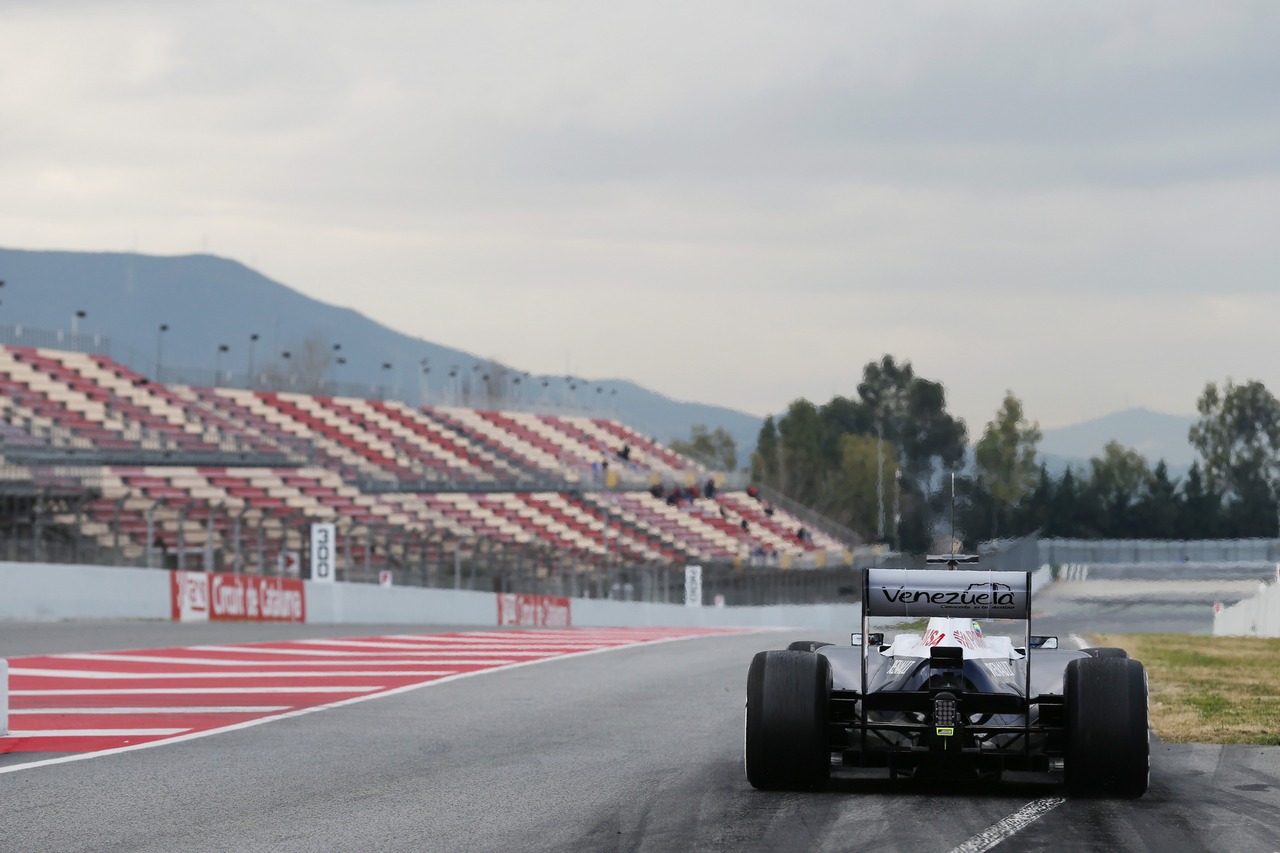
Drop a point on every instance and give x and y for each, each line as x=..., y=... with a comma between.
x=50, y=592
x=1254, y=617
x=39, y=591
x=371, y=605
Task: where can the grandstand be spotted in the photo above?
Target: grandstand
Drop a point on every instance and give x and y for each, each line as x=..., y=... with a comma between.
x=226, y=478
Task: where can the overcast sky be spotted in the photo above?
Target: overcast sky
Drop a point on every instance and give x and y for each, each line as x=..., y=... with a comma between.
x=730, y=202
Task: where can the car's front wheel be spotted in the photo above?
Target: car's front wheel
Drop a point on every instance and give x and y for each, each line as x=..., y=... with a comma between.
x=787, y=712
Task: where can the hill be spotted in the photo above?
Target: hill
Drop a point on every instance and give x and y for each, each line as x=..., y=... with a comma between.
x=209, y=302
x=1155, y=435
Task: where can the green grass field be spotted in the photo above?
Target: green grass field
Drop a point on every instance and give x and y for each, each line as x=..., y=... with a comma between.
x=1208, y=689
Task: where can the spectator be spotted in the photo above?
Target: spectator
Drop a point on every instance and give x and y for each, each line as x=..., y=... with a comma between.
x=746, y=528
x=625, y=453
x=709, y=490
x=753, y=492
x=768, y=509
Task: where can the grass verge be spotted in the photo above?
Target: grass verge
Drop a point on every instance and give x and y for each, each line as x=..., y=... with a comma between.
x=1208, y=689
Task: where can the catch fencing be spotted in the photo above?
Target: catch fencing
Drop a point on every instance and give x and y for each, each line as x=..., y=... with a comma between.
x=45, y=518
x=1168, y=551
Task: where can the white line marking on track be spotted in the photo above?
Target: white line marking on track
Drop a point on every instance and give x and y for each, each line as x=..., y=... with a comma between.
x=526, y=649
x=441, y=658
x=98, y=675
x=164, y=691
x=301, y=712
x=993, y=835
x=98, y=733
x=192, y=709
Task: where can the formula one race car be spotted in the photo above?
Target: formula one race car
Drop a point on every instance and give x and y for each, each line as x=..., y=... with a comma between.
x=949, y=700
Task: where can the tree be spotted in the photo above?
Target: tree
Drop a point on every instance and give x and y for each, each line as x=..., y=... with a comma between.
x=1200, y=511
x=884, y=389
x=1065, y=510
x=1155, y=514
x=1005, y=458
x=860, y=503
x=802, y=453
x=1035, y=510
x=764, y=462
x=911, y=413
x=798, y=450
x=840, y=417
x=1118, y=477
x=1251, y=511
x=1238, y=435
x=713, y=449
x=975, y=512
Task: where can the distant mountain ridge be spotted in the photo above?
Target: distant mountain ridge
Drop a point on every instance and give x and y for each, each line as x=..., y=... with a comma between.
x=207, y=301
x=1155, y=435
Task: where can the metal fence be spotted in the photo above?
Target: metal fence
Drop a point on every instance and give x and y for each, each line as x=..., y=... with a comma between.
x=40, y=522
x=1103, y=551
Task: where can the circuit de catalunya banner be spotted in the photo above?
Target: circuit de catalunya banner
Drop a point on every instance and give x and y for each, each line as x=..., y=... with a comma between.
x=218, y=597
x=533, y=611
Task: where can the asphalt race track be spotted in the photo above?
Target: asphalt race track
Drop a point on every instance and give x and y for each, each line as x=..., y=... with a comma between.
x=632, y=749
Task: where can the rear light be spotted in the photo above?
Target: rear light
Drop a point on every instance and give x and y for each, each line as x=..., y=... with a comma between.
x=945, y=714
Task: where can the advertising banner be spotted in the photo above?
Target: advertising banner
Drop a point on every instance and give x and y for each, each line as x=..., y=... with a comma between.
x=693, y=586
x=202, y=597
x=323, y=549
x=189, y=596
x=533, y=611
x=938, y=592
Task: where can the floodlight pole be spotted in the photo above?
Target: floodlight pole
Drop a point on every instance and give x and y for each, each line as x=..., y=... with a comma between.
x=879, y=481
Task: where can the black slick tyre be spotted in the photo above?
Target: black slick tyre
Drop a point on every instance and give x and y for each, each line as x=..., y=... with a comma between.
x=806, y=646
x=1106, y=652
x=1107, y=750
x=786, y=746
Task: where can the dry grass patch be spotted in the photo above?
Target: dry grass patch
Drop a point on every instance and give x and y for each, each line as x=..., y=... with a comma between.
x=1208, y=689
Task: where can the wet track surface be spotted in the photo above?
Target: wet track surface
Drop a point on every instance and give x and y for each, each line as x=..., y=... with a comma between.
x=635, y=749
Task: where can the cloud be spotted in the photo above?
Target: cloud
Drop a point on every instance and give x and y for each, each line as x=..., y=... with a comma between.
x=735, y=202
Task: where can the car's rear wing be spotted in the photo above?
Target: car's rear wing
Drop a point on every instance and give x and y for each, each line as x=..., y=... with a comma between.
x=972, y=594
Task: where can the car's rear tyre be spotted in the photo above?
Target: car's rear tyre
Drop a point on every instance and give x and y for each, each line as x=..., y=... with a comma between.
x=1106, y=652
x=806, y=646
x=1107, y=751
x=786, y=744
